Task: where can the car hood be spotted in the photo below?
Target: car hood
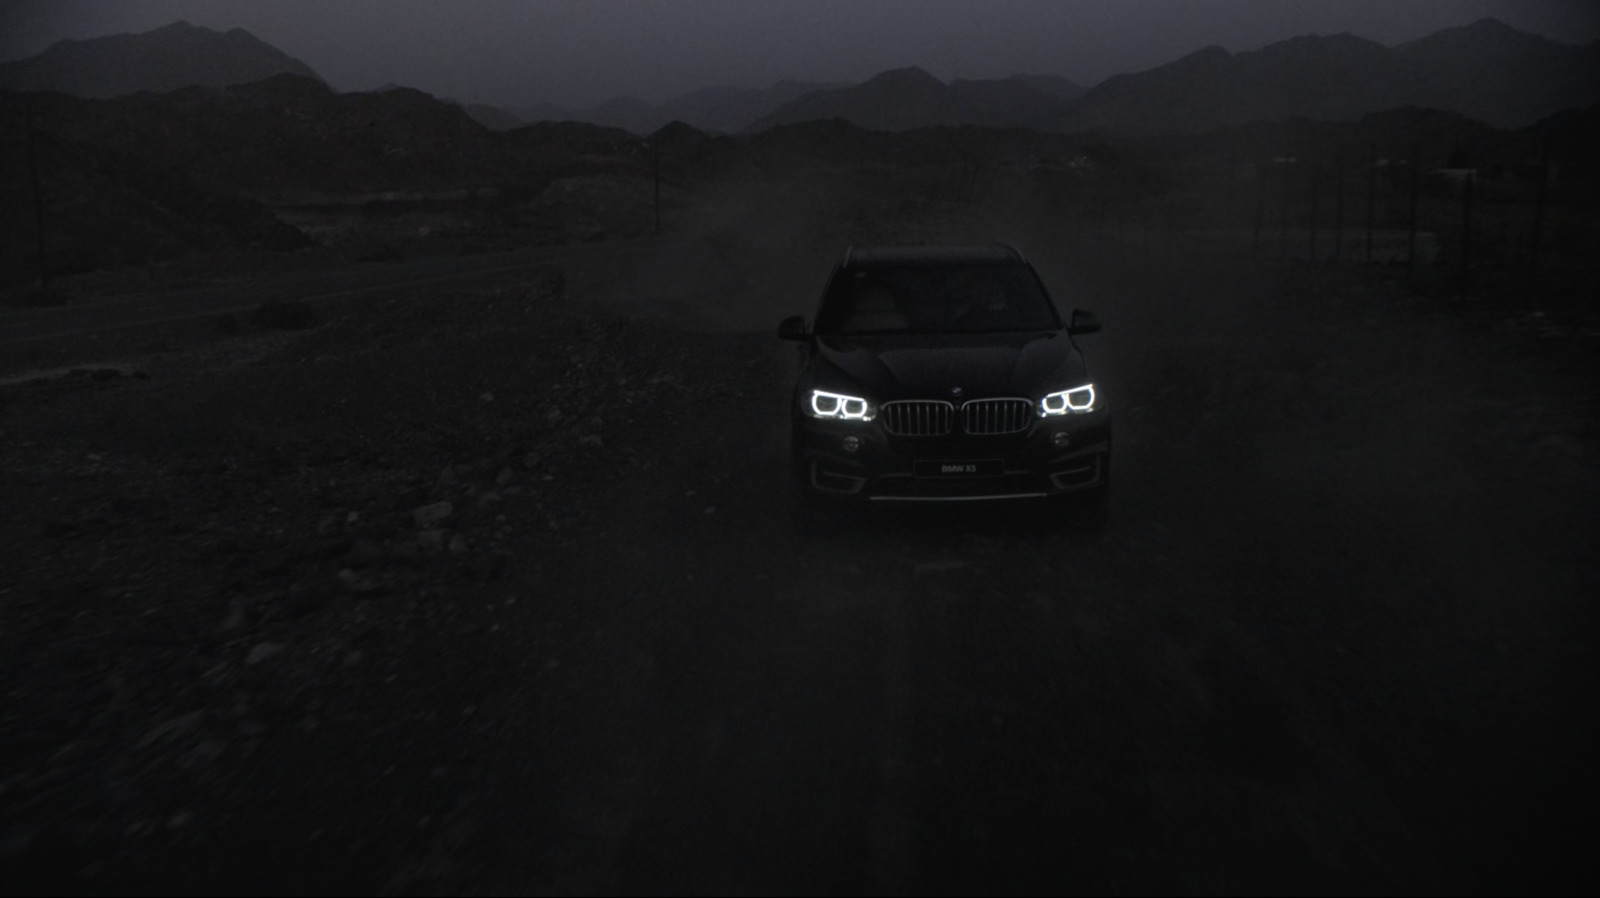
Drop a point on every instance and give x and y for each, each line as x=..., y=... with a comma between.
x=933, y=366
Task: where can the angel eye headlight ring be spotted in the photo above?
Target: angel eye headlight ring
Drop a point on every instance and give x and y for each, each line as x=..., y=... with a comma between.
x=841, y=406
x=1075, y=401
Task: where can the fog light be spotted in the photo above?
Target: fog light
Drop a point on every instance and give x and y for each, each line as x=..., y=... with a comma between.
x=1061, y=438
x=851, y=444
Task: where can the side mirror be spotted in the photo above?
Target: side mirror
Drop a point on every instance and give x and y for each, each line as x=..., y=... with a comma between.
x=1083, y=323
x=793, y=328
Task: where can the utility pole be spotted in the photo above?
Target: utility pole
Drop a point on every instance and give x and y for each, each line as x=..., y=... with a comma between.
x=38, y=200
x=656, y=143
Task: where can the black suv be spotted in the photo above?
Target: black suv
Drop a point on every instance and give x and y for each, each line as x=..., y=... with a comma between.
x=946, y=373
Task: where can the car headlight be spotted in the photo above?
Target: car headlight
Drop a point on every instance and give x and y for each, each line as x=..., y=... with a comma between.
x=1075, y=401
x=837, y=405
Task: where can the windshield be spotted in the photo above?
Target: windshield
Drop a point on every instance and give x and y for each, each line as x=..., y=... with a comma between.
x=936, y=299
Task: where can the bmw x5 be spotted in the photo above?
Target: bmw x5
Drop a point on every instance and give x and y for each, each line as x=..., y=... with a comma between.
x=946, y=374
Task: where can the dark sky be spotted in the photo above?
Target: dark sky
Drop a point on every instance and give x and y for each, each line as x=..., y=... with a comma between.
x=578, y=52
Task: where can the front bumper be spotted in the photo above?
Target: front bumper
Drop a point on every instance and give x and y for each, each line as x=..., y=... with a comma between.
x=883, y=467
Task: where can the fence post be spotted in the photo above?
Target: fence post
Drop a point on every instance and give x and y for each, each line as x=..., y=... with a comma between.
x=1411, y=217
x=1312, y=224
x=1466, y=227
x=1338, y=208
x=1538, y=216
x=1283, y=211
x=38, y=200
x=1261, y=200
x=1372, y=187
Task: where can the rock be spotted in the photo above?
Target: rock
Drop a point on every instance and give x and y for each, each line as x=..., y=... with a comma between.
x=236, y=619
x=429, y=515
x=262, y=652
x=15, y=842
x=939, y=567
x=458, y=545
x=485, y=568
x=433, y=539
x=364, y=553
x=357, y=583
x=486, y=397
x=330, y=548
x=284, y=315
x=504, y=477
x=177, y=726
x=592, y=439
x=488, y=500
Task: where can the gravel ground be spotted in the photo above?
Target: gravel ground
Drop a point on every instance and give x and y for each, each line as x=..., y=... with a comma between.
x=494, y=591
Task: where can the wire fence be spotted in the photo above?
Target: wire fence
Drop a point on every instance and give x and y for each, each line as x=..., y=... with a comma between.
x=1452, y=225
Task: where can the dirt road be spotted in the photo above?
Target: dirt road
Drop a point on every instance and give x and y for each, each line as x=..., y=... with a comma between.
x=1329, y=642
x=1339, y=635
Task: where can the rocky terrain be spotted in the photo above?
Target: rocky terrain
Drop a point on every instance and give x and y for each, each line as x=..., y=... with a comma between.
x=248, y=548
x=494, y=589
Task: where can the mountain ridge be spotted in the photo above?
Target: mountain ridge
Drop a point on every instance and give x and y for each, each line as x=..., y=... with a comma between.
x=163, y=59
x=1486, y=70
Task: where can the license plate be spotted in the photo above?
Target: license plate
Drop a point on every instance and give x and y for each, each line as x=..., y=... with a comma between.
x=964, y=467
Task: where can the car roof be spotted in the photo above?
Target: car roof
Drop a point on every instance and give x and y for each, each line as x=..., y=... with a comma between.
x=879, y=256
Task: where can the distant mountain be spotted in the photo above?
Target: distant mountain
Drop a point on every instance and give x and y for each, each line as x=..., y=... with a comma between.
x=178, y=55
x=732, y=109
x=1052, y=85
x=492, y=116
x=287, y=138
x=1497, y=74
x=910, y=98
x=152, y=176
x=1486, y=70
x=710, y=109
x=895, y=100
x=1022, y=101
